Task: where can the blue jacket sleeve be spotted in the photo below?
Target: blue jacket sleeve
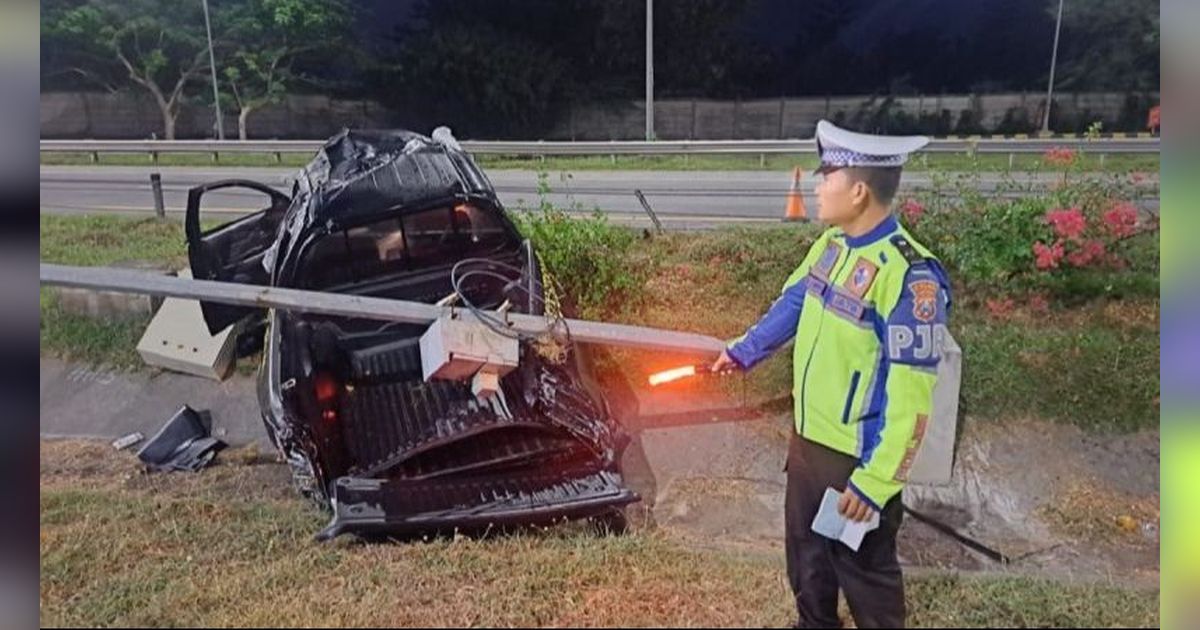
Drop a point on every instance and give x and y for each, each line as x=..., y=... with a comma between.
x=772, y=331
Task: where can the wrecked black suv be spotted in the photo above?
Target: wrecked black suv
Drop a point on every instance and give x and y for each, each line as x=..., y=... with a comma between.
x=389, y=214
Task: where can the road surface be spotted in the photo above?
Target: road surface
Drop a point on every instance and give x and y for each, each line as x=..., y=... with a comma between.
x=680, y=198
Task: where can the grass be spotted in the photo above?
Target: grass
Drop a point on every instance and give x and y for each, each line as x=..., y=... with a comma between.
x=1094, y=364
x=101, y=241
x=230, y=546
x=83, y=339
x=943, y=161
x=104, y=240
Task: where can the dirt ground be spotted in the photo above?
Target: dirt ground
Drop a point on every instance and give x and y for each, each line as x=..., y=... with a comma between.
x=1056, y=501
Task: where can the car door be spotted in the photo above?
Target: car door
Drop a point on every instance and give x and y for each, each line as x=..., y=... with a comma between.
x=232, y=252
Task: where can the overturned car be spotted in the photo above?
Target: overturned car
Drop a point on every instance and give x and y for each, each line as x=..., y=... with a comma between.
x=393, y=214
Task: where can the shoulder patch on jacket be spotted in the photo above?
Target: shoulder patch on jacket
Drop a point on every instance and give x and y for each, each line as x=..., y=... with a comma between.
x=907, y=250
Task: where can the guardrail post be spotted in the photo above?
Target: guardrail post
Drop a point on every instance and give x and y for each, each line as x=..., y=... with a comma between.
x=154, y=157
x=214, y=153
x=95, y=155
x=1101, y=160
x=160, y=209
x=1010, y=161
x=762, y=160
x=278, y=157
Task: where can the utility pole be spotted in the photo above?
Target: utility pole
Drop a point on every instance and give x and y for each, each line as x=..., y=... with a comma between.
x=1053, y=60
x=212, y=64
x=649, y=69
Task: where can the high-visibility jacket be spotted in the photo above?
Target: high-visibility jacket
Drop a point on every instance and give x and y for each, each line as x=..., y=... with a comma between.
x=868, y=314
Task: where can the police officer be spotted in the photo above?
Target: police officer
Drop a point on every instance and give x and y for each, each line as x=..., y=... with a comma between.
x=867, y=308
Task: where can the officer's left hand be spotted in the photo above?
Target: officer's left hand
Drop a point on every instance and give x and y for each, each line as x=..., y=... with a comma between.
x=854, y=508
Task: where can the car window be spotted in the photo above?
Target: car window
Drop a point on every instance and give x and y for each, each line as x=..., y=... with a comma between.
x=430, y=238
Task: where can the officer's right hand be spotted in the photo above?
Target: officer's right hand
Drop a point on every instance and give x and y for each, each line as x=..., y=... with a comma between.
x=724, y=363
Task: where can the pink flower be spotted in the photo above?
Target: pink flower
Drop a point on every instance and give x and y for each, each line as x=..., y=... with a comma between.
x=1090, y=252
x=1121, y=219
x=999, y=307
x=1068, y=224
x=912, y=211
x=1047, y=257
x=1060, y=155
x=1038, y=303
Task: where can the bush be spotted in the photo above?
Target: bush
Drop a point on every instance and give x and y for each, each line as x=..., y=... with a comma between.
x=587, y=257
x=1079, y=241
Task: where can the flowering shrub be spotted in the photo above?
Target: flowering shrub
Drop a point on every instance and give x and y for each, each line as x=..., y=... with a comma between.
x=1121, y=220
x=1076, y=241
x=1047, y=256
x=912, y=211
x=1060, y=156
x=1084, y=243
x=1068, y=224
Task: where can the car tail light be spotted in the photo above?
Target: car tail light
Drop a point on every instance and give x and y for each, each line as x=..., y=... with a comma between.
x=325, y=389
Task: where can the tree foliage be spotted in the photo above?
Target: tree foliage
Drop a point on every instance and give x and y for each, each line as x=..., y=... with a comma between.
x=157, y=46
x=1109, y=44
x=261, y=39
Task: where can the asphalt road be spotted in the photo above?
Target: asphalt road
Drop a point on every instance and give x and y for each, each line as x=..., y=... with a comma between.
x=680, y=198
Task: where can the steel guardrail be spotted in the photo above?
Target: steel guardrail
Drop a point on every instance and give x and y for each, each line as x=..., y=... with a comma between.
x=616, y=147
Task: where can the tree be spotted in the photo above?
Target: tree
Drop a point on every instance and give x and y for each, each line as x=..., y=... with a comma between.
x=263, y=38
x=1109, y=44
x=158, y=46
x=480, y=81
x=702, y=48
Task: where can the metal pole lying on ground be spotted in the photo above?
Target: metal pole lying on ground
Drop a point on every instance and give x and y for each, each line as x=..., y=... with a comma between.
x=346, y=305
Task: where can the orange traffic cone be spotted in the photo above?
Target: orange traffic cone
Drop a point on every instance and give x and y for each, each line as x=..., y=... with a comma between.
x=795, y=203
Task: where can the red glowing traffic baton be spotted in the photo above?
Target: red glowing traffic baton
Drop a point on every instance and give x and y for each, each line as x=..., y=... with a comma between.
x=674, y=374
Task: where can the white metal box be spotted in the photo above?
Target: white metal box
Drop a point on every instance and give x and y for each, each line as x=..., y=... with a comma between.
x=455, y=348
x=177, y=339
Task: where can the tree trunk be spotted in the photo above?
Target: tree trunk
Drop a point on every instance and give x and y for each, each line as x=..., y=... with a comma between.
x=168, y=123
x=242, y=116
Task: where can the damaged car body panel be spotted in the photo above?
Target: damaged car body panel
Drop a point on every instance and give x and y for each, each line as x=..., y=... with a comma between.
x=389, y=214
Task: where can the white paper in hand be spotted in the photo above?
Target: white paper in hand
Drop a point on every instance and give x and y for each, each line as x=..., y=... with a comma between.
x=830, y=524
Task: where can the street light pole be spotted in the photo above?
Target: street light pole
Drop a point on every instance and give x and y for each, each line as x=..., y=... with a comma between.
x=1053, y=61
x=212, y=64
x=649, y=69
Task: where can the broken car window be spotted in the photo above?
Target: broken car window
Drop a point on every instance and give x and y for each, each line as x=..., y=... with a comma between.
x=418, y=240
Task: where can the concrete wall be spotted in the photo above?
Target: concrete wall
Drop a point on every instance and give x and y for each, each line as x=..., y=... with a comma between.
x=680, y=119
x=132, y=115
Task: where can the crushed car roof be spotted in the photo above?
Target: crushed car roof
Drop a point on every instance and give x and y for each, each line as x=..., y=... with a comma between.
x=358, y=174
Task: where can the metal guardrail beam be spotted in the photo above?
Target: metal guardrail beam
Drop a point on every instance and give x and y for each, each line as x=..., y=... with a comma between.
x=665, y=147
x=345, y=305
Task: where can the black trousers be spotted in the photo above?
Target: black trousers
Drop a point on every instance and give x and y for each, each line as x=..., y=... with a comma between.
x=818, y=566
